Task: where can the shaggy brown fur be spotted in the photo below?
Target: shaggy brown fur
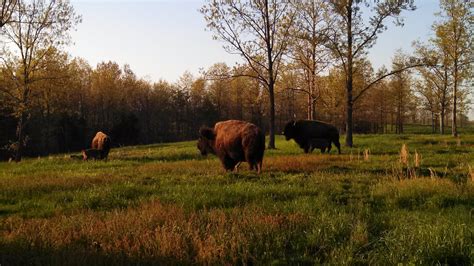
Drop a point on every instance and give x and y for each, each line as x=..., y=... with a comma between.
x=303, y=131
x=92, y=154
x=234, y=141
x=101, y=142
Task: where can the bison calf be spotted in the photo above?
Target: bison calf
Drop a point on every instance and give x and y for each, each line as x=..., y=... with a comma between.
x=321, y=144
x=234, y=141
x=92, y=154
x=303, y=131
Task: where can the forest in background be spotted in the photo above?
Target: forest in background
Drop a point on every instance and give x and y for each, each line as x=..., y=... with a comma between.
x=52, y=103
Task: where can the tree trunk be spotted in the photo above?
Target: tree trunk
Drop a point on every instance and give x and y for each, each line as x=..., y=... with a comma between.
x=433, y=123
x=349, y=113
x=441, y=121
x=271, y=143
x=20, y=137
x=349, y=101
x=454, y=129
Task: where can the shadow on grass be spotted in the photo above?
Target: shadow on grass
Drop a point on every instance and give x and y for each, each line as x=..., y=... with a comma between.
x=163, y=158
x=24, y=254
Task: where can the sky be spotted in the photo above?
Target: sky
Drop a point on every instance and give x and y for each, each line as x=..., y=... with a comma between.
x=161, y=39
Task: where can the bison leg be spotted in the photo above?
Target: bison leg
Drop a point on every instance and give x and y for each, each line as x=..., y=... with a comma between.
x=306, y=149
x=338, y=145
x=236, y=167
x=228, y=163
x=259, y=167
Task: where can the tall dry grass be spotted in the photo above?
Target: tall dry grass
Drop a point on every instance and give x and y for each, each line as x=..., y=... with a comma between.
x=404, y=154
x=163, y=233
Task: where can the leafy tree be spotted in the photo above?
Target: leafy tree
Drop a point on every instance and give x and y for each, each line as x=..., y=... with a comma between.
x=455, y=37
x=435, y=83
x=36, y=27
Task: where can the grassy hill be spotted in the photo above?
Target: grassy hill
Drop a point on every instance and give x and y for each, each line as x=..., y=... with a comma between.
x=165, y=204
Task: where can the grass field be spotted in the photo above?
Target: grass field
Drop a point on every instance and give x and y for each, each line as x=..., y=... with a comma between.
x=165, y=204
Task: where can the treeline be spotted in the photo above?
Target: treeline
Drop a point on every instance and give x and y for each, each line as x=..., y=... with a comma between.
x=50, y=102
x=66, y=111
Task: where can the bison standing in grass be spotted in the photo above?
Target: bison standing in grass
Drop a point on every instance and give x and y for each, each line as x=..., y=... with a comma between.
x=304, y=132
x=234, y=141
x=101, y=142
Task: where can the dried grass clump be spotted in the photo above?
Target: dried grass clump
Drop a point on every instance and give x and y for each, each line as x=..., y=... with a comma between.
x=366, y=154
x=417, y=159
x=471, y=173
x=404, y=154
x=433, y=173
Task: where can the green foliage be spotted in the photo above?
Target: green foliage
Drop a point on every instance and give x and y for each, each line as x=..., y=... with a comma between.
x=165, y=204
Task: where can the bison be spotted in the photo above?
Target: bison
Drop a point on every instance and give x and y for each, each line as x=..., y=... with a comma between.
x=303, y=131
x=321, y=144
x=233, y=141
x=101, y=142
x=92, y=154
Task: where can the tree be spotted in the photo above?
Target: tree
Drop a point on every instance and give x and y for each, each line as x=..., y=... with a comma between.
x=307, y=48
x=435, y=80
x=36, y=27
x=455, y=37
x=351, y=36
x=400, y=90
x=258, y=31
x=6, y=11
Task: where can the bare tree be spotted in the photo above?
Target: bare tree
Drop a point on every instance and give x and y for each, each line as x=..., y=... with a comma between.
x=351, y=36
x=36, y=27
x=308, y=50
x=258, y=31
x=6, y=11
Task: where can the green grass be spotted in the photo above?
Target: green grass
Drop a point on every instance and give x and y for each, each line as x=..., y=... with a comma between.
x=165, y=204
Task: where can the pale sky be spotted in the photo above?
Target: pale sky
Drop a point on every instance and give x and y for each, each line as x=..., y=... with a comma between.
x=162, y=39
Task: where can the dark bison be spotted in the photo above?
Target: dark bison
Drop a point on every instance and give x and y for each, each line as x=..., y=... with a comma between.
x=321, y=144
x=92, y=154
x=101, y=142
x=234, y=141
x=6, y=155
x=303, y=131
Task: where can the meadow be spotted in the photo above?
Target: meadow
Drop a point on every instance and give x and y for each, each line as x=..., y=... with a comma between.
x=165, y=204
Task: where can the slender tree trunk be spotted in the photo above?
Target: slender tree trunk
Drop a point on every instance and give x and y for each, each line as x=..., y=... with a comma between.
x=309, y=111
x=433, y=126
x=349, y=101
x=441, y=121
x=271, y=77
x=20, y=136
x=271, y=143
x=454, y=129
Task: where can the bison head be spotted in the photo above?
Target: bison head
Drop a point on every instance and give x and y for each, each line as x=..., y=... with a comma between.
x=289, y=131
x=206, y=140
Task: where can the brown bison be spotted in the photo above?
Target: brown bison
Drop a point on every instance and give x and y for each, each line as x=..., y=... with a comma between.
x=234, y=141
x=303, y=131
x=101, y=142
